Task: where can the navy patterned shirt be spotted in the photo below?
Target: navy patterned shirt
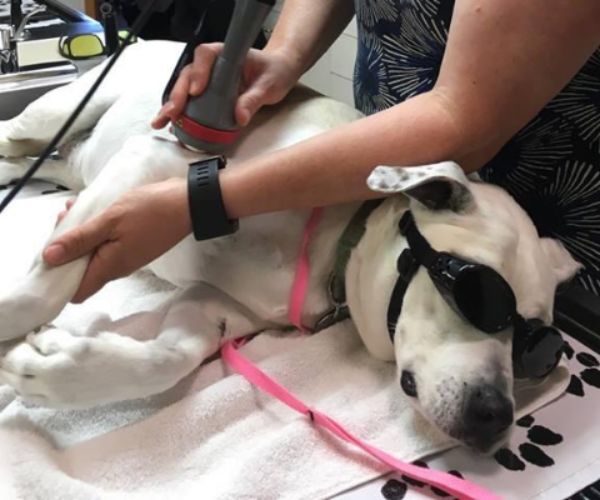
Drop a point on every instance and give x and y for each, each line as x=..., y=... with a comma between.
x=551, y=167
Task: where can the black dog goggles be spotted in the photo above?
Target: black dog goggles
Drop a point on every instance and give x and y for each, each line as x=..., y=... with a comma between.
x=481, y=297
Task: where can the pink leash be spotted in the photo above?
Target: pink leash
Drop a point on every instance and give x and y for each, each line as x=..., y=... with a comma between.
x=454, y=485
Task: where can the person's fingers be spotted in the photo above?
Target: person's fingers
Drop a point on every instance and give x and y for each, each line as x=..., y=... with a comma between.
x=174, y=106
x=250, y=102
x=78, y=242
x=179, y=93
x=192, y=80
x=204, y=59
x=104, y=266
x=162, y=117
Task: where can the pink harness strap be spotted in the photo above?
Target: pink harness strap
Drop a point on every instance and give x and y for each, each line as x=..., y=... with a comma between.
x=300, y=286
x=456, y=486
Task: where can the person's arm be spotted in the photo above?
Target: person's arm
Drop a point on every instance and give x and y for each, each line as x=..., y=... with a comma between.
x=306, y=29
x=505, y=59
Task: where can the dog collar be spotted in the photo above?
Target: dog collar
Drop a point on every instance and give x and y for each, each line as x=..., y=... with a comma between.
x=351, y=236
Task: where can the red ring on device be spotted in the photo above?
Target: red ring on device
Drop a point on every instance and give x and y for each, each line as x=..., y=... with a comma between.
x=207, y=134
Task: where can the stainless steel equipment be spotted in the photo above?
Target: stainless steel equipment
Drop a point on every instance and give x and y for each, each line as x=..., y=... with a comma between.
x=17, y=90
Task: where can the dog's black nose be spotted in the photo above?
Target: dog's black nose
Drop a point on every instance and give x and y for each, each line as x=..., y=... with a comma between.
x=487, y=414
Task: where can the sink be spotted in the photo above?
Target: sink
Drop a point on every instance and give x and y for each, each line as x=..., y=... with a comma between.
x=17, y=90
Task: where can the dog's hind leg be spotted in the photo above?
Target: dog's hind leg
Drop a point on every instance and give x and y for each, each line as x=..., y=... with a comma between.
x=58, y=369
x=30, y=131
x=44, y=291
x=56, y=170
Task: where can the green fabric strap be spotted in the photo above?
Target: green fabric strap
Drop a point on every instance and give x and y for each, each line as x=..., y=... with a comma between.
x=353, y=233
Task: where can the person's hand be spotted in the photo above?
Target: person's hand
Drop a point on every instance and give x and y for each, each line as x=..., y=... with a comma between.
x=139, y=227
x=267, y=79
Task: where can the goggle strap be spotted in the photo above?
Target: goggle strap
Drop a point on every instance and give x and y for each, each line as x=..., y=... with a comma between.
x=421, y=249
x=407, y=267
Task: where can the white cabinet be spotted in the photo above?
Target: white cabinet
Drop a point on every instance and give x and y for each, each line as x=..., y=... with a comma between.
x=332, y=74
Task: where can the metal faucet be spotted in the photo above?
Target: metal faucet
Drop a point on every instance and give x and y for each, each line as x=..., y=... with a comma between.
x=10, y=35
x=19, y=33
x=8, y=51
x=15, y=12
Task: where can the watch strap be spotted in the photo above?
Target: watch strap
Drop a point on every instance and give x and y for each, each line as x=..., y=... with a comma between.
x=207, y=211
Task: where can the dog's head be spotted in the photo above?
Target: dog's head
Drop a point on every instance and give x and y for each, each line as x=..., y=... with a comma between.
x=458, y=377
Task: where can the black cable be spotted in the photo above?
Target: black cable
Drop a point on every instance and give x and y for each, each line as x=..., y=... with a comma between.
x=108, y=11
x=136, y=28
x=187, y=56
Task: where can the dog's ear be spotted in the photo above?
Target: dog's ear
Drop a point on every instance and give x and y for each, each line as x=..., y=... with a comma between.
x=441, y=186
x=561, y=262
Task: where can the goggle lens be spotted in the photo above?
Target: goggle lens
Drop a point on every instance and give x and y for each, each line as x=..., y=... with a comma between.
x=476, y=292
x=86, y=46
x=536, y=352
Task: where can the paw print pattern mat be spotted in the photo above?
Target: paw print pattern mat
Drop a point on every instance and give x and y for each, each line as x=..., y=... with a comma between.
x=553, y=454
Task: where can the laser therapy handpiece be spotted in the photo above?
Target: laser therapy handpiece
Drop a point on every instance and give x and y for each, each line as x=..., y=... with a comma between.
x=208, y=121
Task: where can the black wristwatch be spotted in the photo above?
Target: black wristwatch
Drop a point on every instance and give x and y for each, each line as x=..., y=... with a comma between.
x=209, y=218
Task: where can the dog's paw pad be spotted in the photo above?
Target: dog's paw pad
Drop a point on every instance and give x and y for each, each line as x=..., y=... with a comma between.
x=507, y=459
x=591, y=376
x=587, y=359
x=541, y=435
x=394, y=490
x=525, y=421
x=568, y=350
x=575, y=386
x=535, y=455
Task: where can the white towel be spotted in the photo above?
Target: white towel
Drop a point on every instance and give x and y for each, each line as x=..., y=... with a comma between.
x=213, y=435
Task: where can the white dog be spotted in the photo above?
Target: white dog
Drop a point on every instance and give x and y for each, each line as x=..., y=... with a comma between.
x=239, y=284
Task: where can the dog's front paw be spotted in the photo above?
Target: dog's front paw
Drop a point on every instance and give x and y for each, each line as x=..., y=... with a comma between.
x=47, y=368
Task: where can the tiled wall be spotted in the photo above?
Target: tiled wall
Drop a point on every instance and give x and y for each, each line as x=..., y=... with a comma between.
x=75, y=4
x=332, y=74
